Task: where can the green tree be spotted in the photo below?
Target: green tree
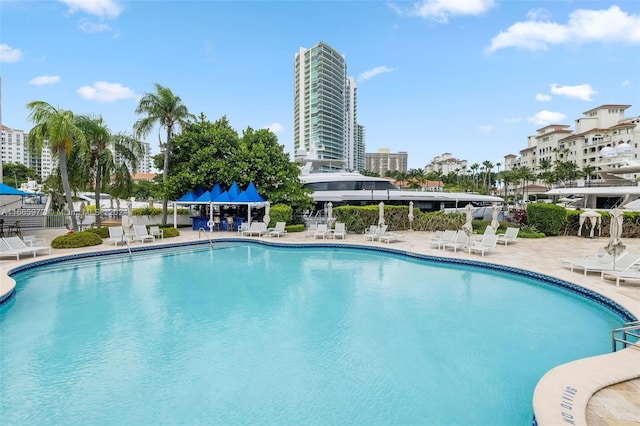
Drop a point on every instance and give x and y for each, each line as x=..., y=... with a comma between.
x=97, y=164
x=17, y=174
x=588, y=171
x=167, y=110
x=206, y=153
x=57, y=127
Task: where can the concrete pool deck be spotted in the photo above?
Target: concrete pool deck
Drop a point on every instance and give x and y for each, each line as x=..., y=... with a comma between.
x=602, y=390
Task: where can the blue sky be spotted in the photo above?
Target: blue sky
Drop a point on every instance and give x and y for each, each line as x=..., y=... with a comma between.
x=471, y=77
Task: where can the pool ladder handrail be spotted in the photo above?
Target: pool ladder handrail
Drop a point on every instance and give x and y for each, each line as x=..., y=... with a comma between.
x=622, y=334
x=205, y=233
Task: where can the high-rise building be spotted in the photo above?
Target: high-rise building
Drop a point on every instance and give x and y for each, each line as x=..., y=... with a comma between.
x=325, y=108
x=384, y=161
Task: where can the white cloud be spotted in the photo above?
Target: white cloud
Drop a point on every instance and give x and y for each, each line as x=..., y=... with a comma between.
x=103, y=91
x=541, y=97
x=512, y=120
x=374, y=72
x=582, y=91
x=275, y=127
x=100, y=8
x=9, y=54
x=584, y=26
x=486, y=128
x=626, y=83
x=442, y=10
x=44, y=80
x=545, y=117
x=91, y=27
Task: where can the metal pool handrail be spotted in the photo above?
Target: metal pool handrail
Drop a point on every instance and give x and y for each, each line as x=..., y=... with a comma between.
x=630, y=329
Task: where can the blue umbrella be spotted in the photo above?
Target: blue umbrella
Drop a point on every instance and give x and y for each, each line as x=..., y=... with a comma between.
x=188, y=197
x=250, y=195
x=234, y=191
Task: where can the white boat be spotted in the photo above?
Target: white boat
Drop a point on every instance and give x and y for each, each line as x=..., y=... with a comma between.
x=355, y=189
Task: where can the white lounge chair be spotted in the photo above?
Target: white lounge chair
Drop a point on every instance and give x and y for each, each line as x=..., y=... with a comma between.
x=489, y=230
x=340, y=230
x=627, y=274
x=156, y=231
x=375, y=234
x=390, y=237
x=321, y=231
x=626, y=261
x=116, y=235
x=16, y=244
x=140, y=234
x=31, y=240
x=7, y=251
x=311, y=229
x=278, y=230
x=244, y=226
x=446, y=237
x=510, y=236
x=461, y=241
x=256, y=229
x=488, y=243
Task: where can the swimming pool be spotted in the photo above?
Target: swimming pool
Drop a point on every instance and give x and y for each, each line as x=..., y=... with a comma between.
x=255, y=334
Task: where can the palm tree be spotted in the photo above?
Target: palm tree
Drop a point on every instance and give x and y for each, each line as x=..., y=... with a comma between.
x=588, y=170
x=58, y=128
x=474, y=168
x=167, y=110
x=488, y=167
x=98, y=162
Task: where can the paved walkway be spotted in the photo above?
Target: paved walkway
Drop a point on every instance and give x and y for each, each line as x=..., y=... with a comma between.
x=613, y=405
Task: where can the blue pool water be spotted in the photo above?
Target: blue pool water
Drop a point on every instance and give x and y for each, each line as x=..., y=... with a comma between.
x=251, y=334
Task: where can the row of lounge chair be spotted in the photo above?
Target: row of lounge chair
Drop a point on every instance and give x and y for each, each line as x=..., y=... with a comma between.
x=14, y=246
x=381, y=234
x=460, y=240
x=623, y=266
x=139, y=233
x=323, y=230
x=259, y=229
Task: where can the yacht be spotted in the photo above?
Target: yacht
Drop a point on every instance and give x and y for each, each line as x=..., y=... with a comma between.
x=354, y=189
x=617, y=187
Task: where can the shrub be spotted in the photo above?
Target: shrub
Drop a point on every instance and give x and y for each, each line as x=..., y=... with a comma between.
x=76, y=240
x=279, y=213
x=101, y=232
x=169, y=231
x=295, y=228
x=547, y=218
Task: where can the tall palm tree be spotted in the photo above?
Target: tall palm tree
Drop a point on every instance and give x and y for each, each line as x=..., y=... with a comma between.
x=488, y=167
x=167, y=110
x=56, y=126
x=98, y=163
x=588, y=171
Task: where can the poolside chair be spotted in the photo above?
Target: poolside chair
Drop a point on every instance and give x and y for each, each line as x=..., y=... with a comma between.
x=375, y=234
x=390, y=237
x=140, y=234
x=373, y=229
x=488, y=243
x=321, y=231
x=510, y=236
x=340, y=230
x=461, y=241
x=244, y=226
x=436, y=237
x=489, y=230
x=7, y=251
x=116, y=235
x=31, y=240
x=156, y=231
x=311, y=229
x=627, y=274
x=256, y=229
x=16, y=244
x=278, y=230
x=626, y=261
x=446, y=237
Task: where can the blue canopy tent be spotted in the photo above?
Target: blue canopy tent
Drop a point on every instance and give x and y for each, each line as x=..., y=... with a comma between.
x=231, y=197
